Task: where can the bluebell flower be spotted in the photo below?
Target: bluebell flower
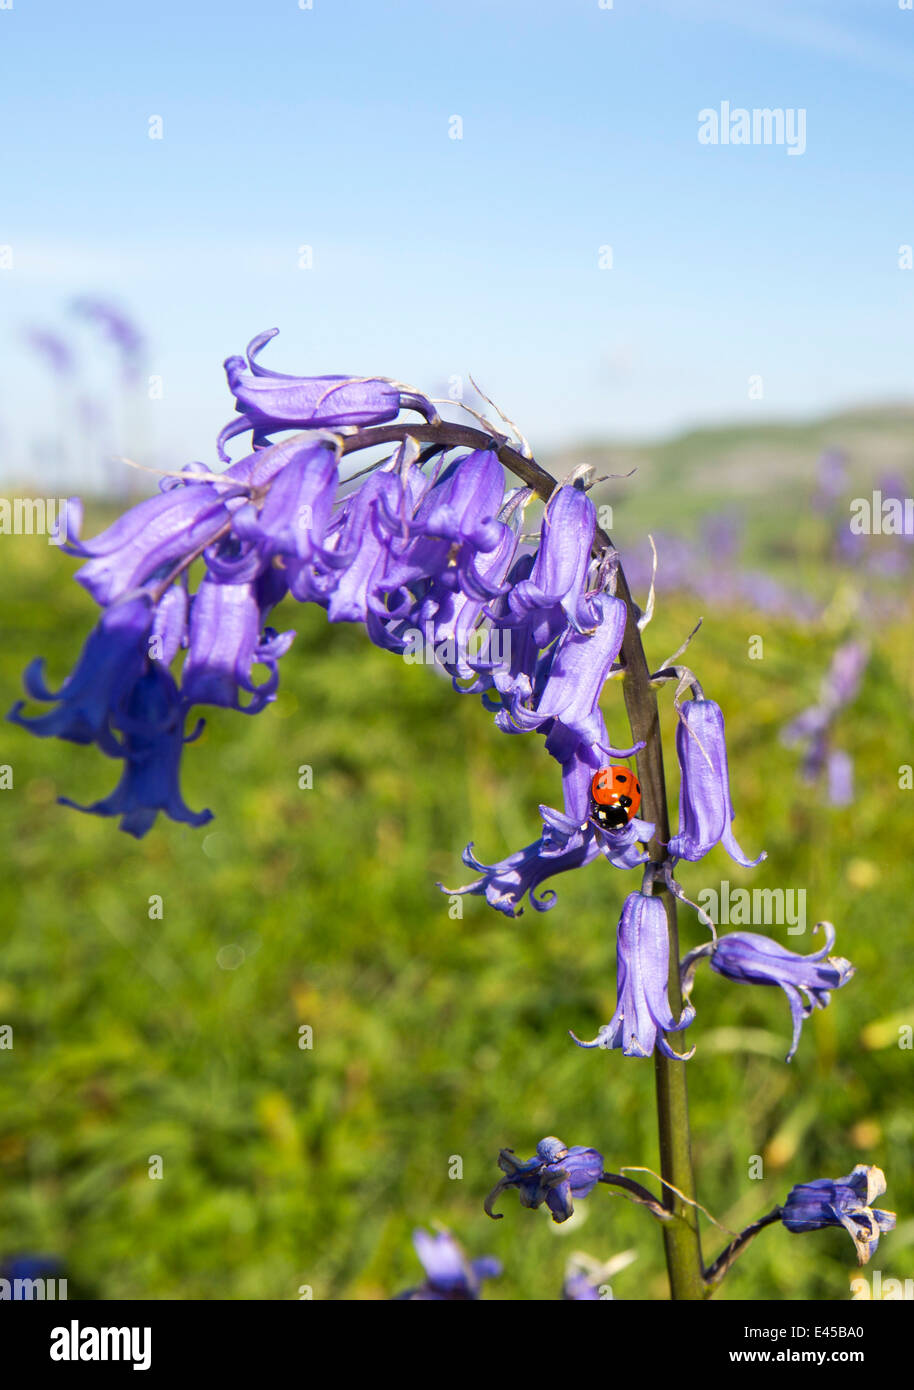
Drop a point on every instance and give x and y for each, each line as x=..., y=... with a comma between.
x=643, y=1012
x=230, y=560
x=456, y=518
x=505, y=884
x=752, y=959
x=292, y=518
x=450, y=618
x=546, y=592
x=169, y=624
x=563, y=830
x=438, y=585
x=270, y=401
x=463, y=504
x=362, y=533
x=561, y=847
x=574, y=672
x=449, y=1275
x=705, y=806
x=153, y=726
x=108, y=669
x=846, y=1202
x=510, y=673
x=225, y=643
x=623, y=849
x=558, y=576
x=150, y=538
x=555, y=1176
x=569, y=840
x=427, y=543
x=562, y=701
x=271, y=587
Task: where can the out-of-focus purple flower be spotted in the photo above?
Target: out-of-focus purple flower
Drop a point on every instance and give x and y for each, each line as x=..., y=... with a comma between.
x=678, y=565
x=117, y=327
x=271, y=401
x=106, y=673
x=812, y=728
x=587, y=1280
x=555, y=1176
x=845, y=673
x=56, y=353
x=153, y=726
x=225, y=643
x=849, y=545
x=768, y=595
x=810, y=724
x=889, y=564
x=751, y=959
x=846, y=1202
x=722, y=536
x=832, y=479
x=91, y=413
x=578, y=1287
x=449, y=1275
x=840, y=770
x=895, y=487
x=643, y=1012
x=705, y=806
x=710, y=571
x=899, y=490
x=21, y=1271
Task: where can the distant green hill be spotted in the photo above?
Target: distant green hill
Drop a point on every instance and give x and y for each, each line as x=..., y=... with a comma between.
x=774, y=465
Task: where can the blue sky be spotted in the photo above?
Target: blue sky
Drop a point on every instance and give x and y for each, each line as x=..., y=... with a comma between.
x=435, y=257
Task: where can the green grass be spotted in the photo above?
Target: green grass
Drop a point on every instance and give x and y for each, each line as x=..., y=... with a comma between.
x=432, y=1036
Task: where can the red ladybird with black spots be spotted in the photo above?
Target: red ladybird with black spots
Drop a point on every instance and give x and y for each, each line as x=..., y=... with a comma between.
x=615, y=795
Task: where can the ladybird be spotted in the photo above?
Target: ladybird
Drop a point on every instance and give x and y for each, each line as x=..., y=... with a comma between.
x=615, y=795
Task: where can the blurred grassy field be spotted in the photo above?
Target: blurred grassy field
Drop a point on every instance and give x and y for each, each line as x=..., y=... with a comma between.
x=432, y=1037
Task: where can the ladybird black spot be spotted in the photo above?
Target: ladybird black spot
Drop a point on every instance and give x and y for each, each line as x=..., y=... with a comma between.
x=620, y=776
x=637, y=786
